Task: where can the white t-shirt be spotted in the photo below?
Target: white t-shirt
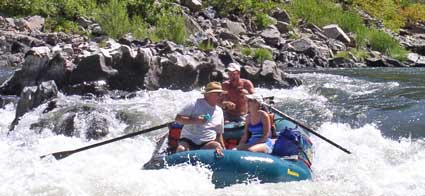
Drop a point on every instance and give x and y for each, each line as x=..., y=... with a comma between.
x=200, y=133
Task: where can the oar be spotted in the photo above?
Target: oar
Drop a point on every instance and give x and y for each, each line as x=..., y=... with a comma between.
x=306, y=128
x=63, y=154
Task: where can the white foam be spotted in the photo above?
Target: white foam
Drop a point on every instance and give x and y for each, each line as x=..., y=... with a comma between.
x=378, y=165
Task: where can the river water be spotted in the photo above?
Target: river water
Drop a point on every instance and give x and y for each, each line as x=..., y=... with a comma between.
x=377, y=114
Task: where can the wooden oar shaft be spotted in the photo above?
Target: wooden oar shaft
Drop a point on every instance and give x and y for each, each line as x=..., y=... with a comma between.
x=307, y=128
x=63, y=154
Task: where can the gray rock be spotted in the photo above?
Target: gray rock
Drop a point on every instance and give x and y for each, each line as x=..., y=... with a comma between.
x=191, y=25
x=283, y=27
x=236, y=28
x=92, y=68
x=341, y=62
x=416, y=59
x=193, y=5
x=168, y=74
x=303, y=45
x=335, y=32
x=281, y=15
x=336, y=45
x=227, y=35
x=209, y=13
x=33, y=96
x=271, y=36
x=35, y=23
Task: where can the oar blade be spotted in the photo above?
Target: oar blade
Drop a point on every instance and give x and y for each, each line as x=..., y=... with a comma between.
x=59, y=155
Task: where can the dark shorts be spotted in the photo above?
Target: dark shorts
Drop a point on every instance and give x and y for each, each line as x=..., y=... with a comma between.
x=192, y=145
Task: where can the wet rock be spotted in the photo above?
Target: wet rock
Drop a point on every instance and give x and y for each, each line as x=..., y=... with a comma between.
x=131, y=65
x=65, y=125
x=341, y=62
x=97, y=127
x=5, y=99
x=383, y=62
x=92, y=88
x=36, y=62
x=33, y=96
x=92, y=68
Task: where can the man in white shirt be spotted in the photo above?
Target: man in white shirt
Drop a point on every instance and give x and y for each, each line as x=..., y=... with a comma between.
x=203, y=121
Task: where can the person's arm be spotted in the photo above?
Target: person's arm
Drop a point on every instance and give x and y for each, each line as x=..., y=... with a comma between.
x=184, y=120
x=244, y=137
x=219, y=139
x=266, y=127
x=184, y=117
x=249, y=87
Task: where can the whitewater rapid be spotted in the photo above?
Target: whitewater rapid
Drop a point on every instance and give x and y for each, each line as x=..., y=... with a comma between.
x=377, y=166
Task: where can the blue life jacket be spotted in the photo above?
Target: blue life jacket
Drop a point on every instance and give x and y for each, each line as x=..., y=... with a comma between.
x=288, y=142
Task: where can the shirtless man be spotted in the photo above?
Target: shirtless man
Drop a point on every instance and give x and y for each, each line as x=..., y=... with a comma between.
x=234, y=102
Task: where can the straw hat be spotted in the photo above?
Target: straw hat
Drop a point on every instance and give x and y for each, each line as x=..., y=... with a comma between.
x=213, y=87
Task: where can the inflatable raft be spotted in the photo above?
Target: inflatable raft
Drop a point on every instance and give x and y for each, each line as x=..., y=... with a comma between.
x=242, y=166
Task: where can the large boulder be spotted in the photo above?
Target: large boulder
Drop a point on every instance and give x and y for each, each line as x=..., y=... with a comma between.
x=176, y=71
x=335, y=32
x=34, y=67
x=268, y=75
x=271, y=36
x=131, y=65
x=94, y=67
x=32, y=97
x=416, y=59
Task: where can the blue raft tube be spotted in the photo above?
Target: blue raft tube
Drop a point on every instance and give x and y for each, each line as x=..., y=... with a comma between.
x=240, y=166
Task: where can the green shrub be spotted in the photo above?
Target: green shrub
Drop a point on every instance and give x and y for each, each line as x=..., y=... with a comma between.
x=413, y=13
x=170, y=26
x=384, y=43
x=359, y=54
x=16, y=7
x=263, y=20
x=62, y=25
x=262, y=54
x=113, y=18
x=343, y=54
x=322, y=13
x=206, y=46
x=386, y=10
x=139, y=28
x=247, y=51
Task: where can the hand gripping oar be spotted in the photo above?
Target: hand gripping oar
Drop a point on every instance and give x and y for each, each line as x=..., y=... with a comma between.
x=63, y=154
x=306, y=128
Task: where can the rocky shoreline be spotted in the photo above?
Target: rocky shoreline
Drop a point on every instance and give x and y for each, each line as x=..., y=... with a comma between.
x=48, y=62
